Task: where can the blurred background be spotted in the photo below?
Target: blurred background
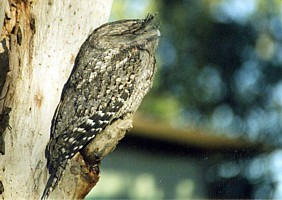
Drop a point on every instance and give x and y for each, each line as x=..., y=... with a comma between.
x=211, y=125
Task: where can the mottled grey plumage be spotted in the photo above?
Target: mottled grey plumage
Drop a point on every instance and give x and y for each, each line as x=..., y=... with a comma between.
x=112, y=72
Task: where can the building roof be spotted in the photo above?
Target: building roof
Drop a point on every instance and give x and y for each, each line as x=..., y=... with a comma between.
x=199, y=138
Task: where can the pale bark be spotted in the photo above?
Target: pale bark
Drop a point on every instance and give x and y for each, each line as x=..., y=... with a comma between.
x=43, y=38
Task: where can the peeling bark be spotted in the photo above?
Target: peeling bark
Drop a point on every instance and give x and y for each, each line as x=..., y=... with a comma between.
x=40, y=40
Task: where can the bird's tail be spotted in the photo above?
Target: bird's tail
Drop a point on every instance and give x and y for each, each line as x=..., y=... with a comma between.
x=53, y=180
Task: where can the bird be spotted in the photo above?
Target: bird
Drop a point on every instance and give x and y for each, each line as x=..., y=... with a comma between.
x=113, y=71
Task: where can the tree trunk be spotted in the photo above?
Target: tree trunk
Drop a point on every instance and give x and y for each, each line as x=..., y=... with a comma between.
x=40, y=40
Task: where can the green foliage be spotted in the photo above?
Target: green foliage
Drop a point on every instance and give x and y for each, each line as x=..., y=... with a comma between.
x=222, y=55
x=163, y=107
